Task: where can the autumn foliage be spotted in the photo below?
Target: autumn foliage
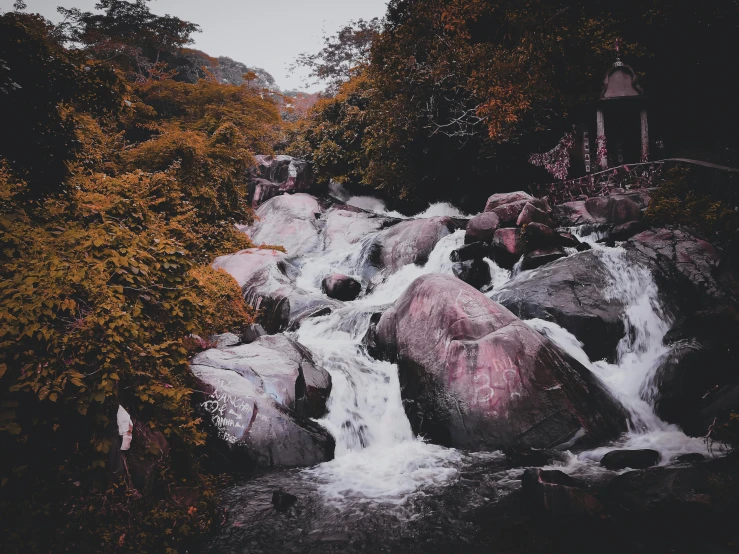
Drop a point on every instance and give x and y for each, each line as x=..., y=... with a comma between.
x=104, y=277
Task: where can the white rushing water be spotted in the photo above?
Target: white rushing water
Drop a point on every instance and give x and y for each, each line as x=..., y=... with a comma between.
x=638, y=354
x=377, y=457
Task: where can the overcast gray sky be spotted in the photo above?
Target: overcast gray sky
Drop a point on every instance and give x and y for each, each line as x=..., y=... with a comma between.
x=262, y=33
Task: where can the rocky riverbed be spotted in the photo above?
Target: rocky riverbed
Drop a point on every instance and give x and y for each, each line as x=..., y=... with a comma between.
x=527, y=379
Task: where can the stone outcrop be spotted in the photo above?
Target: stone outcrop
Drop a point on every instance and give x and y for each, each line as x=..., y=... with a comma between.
x=571, y=293
x=696, y=379
x=290, y=221
x=475, y=376
x=408, y=242
x=676, y=248
x=266, y=280
x=481, y=228
x=611, y=210
x=259, y=397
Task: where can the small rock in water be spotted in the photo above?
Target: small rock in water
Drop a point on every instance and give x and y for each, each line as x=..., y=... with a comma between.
x=583, y=246
x=283, y=501
x=473, y=251
x=553, y=493
x=634, y=459
x=473, y=272
x=691, y=458
x=341, y=287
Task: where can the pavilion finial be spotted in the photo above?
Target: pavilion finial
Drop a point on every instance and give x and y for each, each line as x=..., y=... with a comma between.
x=617, y=47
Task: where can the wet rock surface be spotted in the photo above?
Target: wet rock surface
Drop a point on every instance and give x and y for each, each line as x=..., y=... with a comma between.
x=482, y=227
x=408, y=242
x=341, y=287
x=570, y=292
x=696, y=377
x=675, y=248
x=455, y=350
x=259, y=397
x=634, y=459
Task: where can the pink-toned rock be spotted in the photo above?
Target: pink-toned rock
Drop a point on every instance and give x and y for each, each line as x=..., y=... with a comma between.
x=507, y=247
x=482, y=227
x=245, y=263
x=289, y=220
x=408, y=242
x=475, y=376
x=503, y=198
x=262, y=190
x=678, y=249
x=613, y=210
x=532, y=214
x=290, y=174
x=573, y=213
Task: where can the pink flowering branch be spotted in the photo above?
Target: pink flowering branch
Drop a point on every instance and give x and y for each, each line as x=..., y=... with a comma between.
x=557, y=160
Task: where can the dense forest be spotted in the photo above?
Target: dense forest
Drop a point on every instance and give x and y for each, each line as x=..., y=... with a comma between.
x=124, y=157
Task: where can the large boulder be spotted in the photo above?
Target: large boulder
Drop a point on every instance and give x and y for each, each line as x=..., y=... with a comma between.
x=281, y=304
x=290, y=174
x=475, y=376
x=266, y=279
x=290, y=221
x=408, y=242
x=282, y=367
x=347, y=225
x=532, y=214
x=253, y=429
x=259, y=397
x=245, y=263
x=508, y=214
x=572, y=293
x=503, y=198
x=676, y=248
x=481, y=228
x=611, y=210
x=701, y=366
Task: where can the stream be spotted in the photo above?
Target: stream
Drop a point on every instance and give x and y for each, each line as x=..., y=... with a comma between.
x=390, y=491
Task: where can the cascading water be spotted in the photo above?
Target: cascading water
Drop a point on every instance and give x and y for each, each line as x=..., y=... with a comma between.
x=377, y=456
x=381, y=474
x=646, y=322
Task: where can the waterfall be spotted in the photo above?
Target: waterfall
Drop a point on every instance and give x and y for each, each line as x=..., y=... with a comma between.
x=637, y=357
x=377, y=457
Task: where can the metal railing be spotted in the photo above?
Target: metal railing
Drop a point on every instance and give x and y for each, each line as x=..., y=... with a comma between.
x=636, y=176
